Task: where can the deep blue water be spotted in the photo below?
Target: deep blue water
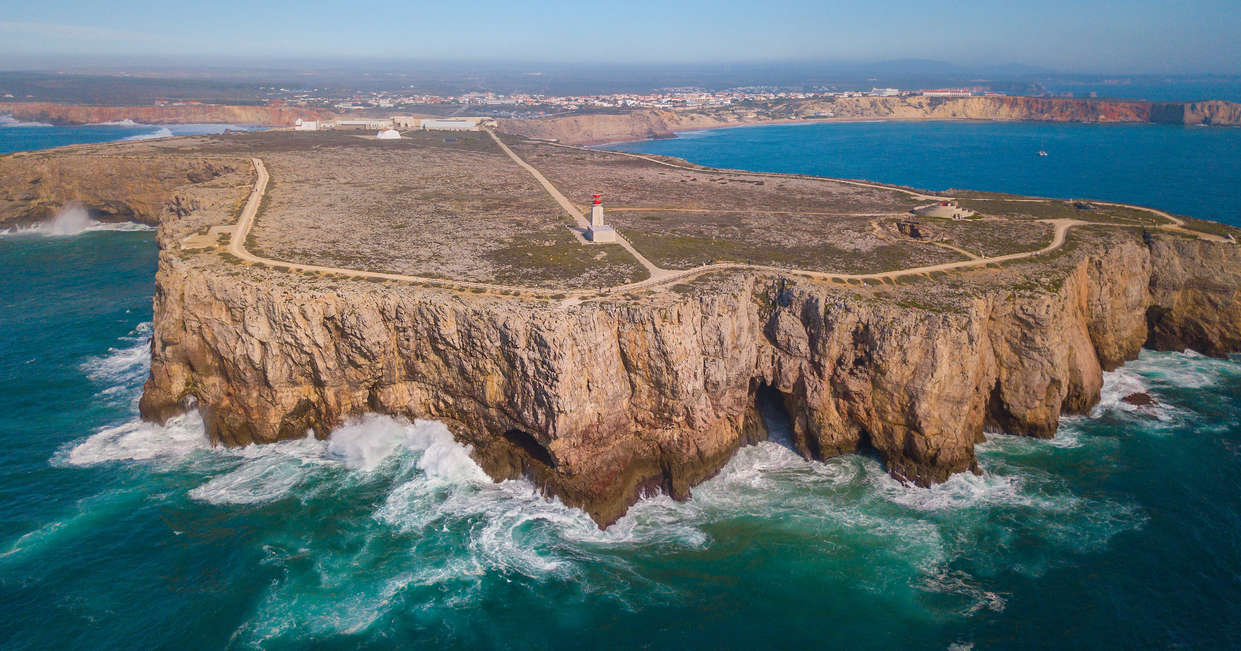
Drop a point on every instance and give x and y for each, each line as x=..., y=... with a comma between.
x=1122, y=532
x=1194, y=171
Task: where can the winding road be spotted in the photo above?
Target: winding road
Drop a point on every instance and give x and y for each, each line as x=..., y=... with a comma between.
x=658, y=275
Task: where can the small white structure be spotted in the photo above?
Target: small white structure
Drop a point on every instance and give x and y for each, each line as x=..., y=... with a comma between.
x=388, y=134
x=305, y=125
x=598, y=231
x=947, y=209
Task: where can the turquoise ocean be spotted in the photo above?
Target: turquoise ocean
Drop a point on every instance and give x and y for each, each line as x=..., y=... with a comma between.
x=1124, y=531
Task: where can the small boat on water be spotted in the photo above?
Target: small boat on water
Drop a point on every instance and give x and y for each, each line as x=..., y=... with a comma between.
x=1042, y=152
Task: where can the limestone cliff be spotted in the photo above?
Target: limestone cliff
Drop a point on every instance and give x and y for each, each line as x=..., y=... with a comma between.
x=134, y=188
x=601, y=400
x=645, y=124
x=274, y=116
x=1207, y=113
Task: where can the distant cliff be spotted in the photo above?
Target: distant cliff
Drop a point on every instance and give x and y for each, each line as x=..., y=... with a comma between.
x=646, y=124
x=272, y=116
x=136, y=188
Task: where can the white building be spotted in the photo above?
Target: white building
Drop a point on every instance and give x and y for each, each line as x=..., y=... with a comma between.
x=598, y=231
x=306, y=125
x=885, y=92
x=946, y=92
x=365, y=123
x=388, y=134
x=451, y=124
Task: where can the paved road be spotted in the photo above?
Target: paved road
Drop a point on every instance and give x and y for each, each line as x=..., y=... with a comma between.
x=651, y=268
x=236, y=247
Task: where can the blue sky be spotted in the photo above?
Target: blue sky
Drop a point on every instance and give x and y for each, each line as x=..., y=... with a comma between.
x=1083, y=35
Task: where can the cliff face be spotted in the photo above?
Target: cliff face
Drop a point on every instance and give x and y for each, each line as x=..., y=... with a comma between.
x=272, y=116
x=639, y=125
x=1209, y=113
x=113, y=188
x=602, y=400
x=594, y=129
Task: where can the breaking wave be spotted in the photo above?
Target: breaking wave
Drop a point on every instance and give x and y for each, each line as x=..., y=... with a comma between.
x=432, y=495
x=118, y=123
x=11, y=122
x=74, y=219
x=160, y=132
x=120, y=371
x=417, y=524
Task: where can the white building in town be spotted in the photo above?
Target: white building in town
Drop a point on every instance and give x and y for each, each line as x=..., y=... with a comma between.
x=306, y=125
x=388, y=134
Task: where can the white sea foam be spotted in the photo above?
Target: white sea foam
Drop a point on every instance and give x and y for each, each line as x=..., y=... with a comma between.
x=961, y=491
x=1157, y=374
x=117, y=123
x=120, y=371
x=73, y=219
x=69, y=220
x=139, y=441
x=160, y=132
x=363, y=444
x=960, y=583
x=262, y=480
x=1187, y=370
x=10, y=121
x=464, y=530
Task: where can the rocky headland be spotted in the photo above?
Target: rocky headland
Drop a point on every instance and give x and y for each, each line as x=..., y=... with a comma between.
x=600, y=394
x=601, y=401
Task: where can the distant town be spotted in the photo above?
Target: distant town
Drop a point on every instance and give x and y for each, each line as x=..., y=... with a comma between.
x=493, y=104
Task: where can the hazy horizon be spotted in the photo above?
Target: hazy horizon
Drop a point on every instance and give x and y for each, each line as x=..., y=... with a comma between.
x=1086, y=37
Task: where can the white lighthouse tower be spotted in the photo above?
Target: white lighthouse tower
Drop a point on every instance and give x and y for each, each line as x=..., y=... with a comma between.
x=599, y=232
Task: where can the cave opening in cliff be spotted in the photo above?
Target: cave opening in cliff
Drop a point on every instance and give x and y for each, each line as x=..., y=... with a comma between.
x=528, y=445
x=775, y=415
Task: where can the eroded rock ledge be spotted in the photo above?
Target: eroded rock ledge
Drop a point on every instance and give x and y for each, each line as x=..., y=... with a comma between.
x=600, y=401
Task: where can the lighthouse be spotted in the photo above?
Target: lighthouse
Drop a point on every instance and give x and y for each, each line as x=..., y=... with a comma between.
x=598, y=231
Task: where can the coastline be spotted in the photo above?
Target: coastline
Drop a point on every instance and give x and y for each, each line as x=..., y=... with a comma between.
x=601, y=129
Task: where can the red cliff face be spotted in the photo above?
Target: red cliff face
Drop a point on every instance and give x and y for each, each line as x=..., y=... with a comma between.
x=273, y=116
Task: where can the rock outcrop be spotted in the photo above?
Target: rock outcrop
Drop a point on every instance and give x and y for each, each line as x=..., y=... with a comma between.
x=600, y=401
x=135, y=188
x=272, y=116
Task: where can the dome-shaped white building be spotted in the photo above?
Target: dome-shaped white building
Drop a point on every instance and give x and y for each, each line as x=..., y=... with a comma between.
x=388, y=134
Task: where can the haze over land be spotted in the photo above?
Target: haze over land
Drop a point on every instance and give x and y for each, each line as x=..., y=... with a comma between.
x=124, y=53
x=1143, y=36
